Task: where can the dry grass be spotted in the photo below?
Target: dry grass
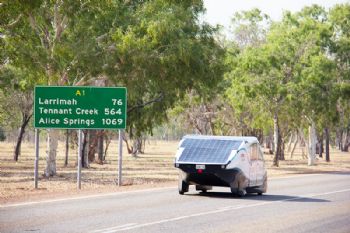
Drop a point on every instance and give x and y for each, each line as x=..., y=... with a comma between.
x=152, y=169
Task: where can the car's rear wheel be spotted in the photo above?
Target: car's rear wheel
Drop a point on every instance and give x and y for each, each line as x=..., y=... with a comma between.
x=183, y=187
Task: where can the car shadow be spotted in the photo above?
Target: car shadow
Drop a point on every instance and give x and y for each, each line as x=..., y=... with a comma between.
x=264, y=197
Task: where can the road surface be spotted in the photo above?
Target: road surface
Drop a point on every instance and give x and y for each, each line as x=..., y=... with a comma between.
x=303, y=203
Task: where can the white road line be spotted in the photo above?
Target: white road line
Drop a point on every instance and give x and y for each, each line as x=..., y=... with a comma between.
x=231, y=207
x=84, y=197
x=221, y=210
x=112, y=229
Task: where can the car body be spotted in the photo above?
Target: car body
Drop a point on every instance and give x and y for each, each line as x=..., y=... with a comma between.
x=228, y=161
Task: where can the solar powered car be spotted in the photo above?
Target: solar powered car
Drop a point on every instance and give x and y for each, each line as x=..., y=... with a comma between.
x=235, y=162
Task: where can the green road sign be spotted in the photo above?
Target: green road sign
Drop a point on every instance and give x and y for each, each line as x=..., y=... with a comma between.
x=80, y=107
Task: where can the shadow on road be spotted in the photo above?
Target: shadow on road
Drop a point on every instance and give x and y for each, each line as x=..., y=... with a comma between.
x=265, y=197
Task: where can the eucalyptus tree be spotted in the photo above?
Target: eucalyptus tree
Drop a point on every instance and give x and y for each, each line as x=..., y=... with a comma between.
x=53, y=43
x=16, y=107
x=249, y=30
x=316, y=86
x=161, y=53
x=285, y=76
x=340, y=50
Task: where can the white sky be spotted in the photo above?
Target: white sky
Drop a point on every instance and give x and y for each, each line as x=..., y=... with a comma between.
x=221, y=11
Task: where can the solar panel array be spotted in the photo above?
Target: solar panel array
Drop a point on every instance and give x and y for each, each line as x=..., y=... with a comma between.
x=214, y=151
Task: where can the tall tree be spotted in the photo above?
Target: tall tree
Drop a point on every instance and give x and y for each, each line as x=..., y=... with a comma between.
x=340, y=50
x=283, y=76
x=158, y=55
x=45, y=39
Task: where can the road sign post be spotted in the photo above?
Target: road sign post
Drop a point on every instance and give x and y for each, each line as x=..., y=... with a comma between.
x=120, y=159
x=74, y=107
x=80, y=134
x=36, y=161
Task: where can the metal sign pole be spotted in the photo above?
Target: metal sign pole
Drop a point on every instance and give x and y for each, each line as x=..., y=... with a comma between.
x=36, y=161
x=120, y=159
x=79, y=159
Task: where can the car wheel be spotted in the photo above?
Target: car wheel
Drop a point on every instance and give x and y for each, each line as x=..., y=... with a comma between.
x=264, y=187
x=241, y=193
x=183, y=187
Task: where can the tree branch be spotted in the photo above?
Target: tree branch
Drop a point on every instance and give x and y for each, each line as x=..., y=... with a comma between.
x=142, y=105
x=13, y=23
x=35, y=27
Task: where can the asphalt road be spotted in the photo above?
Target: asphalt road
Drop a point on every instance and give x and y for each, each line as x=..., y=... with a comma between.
x=304, y=203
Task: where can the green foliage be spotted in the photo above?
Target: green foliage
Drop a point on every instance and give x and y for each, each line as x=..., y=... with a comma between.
x=160, y=55
x=290, y=74
x=157, y=49
x=340, y=47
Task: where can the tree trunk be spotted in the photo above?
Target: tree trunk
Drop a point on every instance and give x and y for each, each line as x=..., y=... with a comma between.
x=51, y=153
x=312, y=144
x=143, y=145
x=282, y=145
x=289, y=145
x=100, y=146
x=339, y=136
x=84, y=153
x=92, y=144
x=25, y=121
x=128, y=147
x=269, y=143
x=327, y=144
x=137, y=146
x=320, y=146
x=67, y=148
x=277, y=140
x=302, y=143
x=346, y=141
x=272, y=143
x=294, y=145
x=108, y=142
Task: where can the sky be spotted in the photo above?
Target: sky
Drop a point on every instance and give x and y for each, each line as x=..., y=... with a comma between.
x=221, y=11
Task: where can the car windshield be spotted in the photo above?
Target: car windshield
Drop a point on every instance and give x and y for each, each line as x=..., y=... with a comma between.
x=215, y=151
